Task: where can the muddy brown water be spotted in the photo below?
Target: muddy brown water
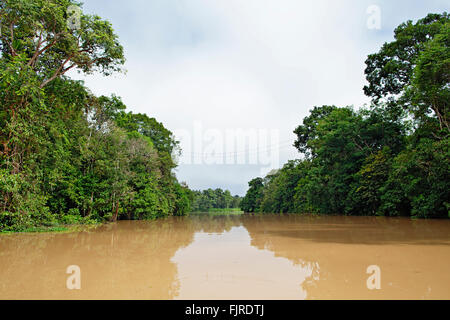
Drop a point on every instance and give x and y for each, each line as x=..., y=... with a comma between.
x=233, y=257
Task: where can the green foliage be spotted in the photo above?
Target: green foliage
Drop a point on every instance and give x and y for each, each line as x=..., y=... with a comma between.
x=420, y=181
x=39, y=31
x=210, y=200
x=67, y=156
x=413, y=70
x=390, y=70
x=429, y=90
x=280, y=188
x=252, y=200
x=307, y=131
x=376, y=161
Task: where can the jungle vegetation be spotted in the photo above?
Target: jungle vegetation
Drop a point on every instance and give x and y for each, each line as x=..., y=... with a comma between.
x=391, y=158
x=66, y=155
x=211, y=200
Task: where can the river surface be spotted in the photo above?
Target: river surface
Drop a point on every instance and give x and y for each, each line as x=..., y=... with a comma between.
x=233, y=257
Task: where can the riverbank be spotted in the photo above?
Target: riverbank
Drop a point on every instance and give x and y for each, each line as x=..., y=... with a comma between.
x=219, y=212
x=67, y=228
x=54, y=229
x=63, y=228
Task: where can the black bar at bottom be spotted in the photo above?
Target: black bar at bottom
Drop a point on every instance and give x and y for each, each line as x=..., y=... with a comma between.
x=221, y=309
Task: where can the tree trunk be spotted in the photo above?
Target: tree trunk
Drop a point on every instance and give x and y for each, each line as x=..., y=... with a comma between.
x=116, y=212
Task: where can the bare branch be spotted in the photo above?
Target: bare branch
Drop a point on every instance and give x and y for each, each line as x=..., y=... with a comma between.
x=58, y=72
x=48, y=46
x=37, y=52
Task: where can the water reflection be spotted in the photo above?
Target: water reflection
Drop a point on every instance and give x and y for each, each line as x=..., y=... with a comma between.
x=227, y=266
x=412, y=254
x=127, y=260
x=351, y=230
x=233, y=257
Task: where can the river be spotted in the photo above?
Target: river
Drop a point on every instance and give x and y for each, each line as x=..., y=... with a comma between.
x=233, y=257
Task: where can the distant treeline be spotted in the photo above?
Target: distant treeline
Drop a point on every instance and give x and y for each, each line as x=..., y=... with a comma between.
x=206, y=200
x=66, y=155
x=389, y=159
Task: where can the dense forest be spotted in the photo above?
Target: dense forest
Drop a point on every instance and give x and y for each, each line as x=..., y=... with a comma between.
x=391, y=158
x=66, y=155
x=206, y=200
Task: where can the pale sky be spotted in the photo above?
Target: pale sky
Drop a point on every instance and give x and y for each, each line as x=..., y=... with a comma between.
x=208, y=69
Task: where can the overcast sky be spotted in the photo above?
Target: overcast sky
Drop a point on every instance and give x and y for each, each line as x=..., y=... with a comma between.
x=208, y=69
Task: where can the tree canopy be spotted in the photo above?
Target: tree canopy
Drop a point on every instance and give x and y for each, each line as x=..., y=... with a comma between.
x=66, y=155
x=391, y=158
x=204, y=201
